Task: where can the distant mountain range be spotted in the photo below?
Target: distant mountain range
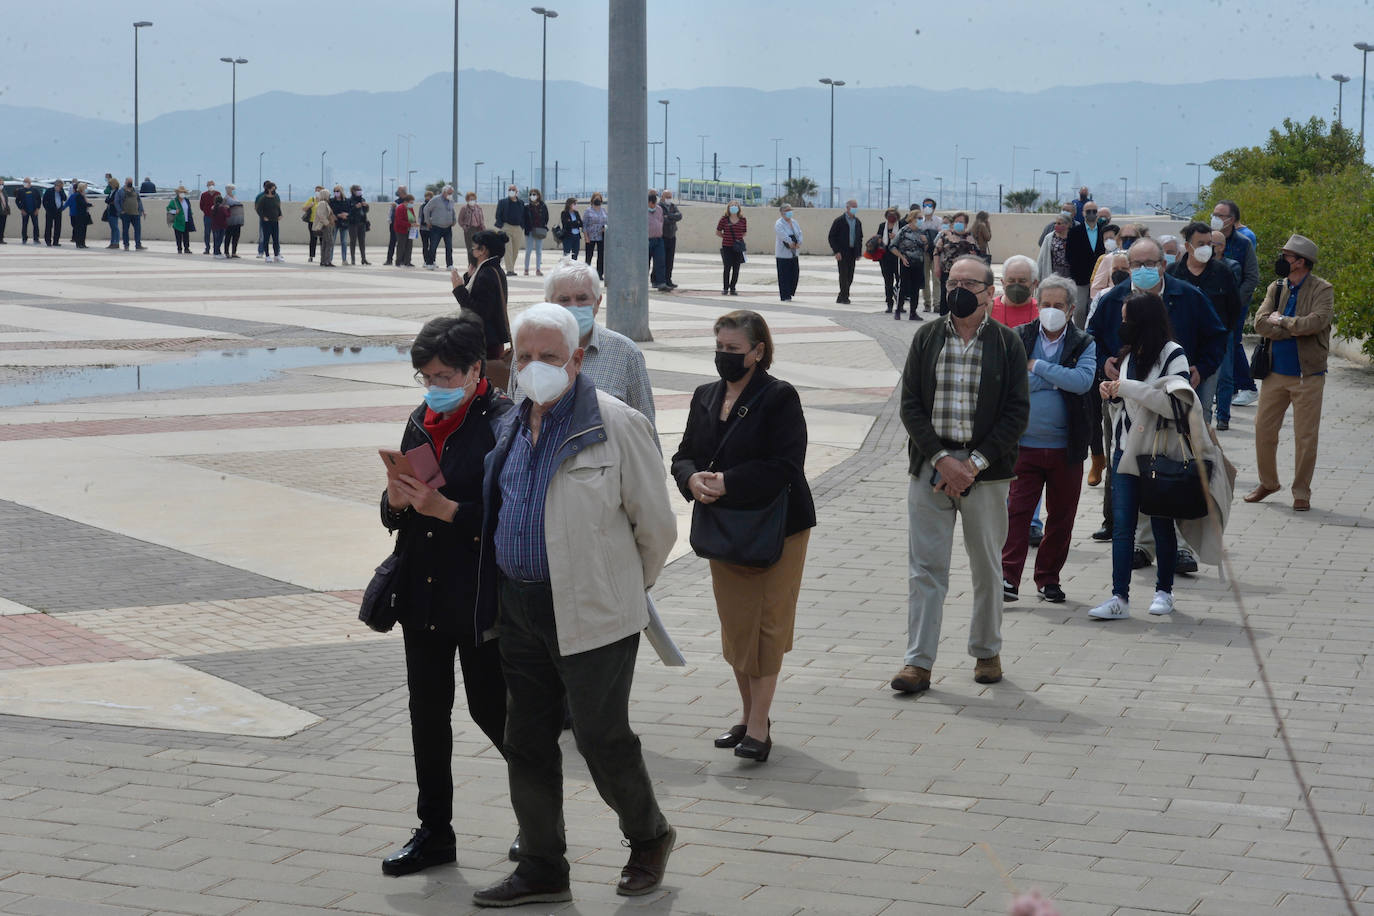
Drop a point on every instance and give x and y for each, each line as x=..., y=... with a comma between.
x=1094, y=132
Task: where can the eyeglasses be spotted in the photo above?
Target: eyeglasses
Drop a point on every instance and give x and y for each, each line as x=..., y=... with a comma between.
x=1089, y=212
x=441, y=379
x=973, y=286
x=1156, y=263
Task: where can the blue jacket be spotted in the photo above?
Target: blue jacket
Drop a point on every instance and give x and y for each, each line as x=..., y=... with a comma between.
x=1197, y=328
x=28, y=200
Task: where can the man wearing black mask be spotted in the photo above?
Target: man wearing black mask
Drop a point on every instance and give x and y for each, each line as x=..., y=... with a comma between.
x=965, y=403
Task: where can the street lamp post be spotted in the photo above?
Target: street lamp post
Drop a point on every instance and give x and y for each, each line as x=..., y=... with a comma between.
x=1341, y=79
x=381, y=188
x=827, y=81
x=1035, y=173
x=141, y=24
x=882, y=170
x=664, y=103
x=751, y=168
x=975, y=196
x=233, y=63
x=967, y=160
x=679, y=168
x=584, y=167
x=322, y=152
x=474, y=173
x=777, y=189
x=1056, y=180
x=454, y=167
x=545, y=15
x=653, y=160
x=410, y=182
x=940, y=193
x=1199, y=178
x=702, y=138
x=260, y=155
x=868, y=182
x=1364, y=47
x=1125, y=195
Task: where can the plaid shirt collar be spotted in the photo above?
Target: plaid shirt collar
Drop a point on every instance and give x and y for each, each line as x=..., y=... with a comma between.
x=952, y=331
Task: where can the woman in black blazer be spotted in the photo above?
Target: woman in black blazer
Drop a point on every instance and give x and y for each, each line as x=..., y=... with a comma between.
x=483, y=290
x=438, y=535
x=766, y=453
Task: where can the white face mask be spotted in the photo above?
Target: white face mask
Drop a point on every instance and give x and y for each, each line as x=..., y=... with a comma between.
x=542, y=383
x=1217, y=223
x=1203, y=254
x=1109, y=244
x=1053, y=319
x=512, y=194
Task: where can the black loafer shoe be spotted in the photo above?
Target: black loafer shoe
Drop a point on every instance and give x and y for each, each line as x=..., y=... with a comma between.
x=1036, y=536
x=1009, y=592
x=424, y=850
x=753, y=749
x=1185, y=564
x=648, y=861
x=733, y=737
x=1140, y=559
x=514, y=852
x=516, y=891
x=1103, y=534
x=1052, y=593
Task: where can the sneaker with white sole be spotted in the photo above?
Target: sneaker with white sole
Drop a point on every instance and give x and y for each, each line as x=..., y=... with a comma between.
x=279, y=259
x=1114, y=608
x=1244, y=398
x=1163, y=603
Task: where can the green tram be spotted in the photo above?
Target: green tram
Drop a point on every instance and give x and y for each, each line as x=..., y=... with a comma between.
x=720, y=192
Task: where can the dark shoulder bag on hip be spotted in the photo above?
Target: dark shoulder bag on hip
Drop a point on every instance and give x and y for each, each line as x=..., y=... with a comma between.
x=1169, y=487
x=1262, y=358
x=744, y=537
x=381, y=604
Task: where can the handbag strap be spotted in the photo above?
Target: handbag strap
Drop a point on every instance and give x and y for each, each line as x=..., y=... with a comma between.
x=741, y=411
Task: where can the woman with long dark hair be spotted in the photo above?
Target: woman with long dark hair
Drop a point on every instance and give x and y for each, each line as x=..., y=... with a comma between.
x=1148, y=353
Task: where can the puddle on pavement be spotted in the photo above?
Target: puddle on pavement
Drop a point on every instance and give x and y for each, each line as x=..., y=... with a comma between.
x=208, y=367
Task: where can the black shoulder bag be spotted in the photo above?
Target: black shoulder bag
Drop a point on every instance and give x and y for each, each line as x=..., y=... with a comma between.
x=744, y=537
x=1262, y=358
x=381, y=604
x=1170, y=488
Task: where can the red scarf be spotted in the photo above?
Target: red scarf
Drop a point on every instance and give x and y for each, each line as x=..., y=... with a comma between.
x=440, y=427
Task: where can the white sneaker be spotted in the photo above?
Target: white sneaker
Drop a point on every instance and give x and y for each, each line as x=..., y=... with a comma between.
x=219, y=257
x=259, y=255
x=1114, y=608
x=1163, y=603
x=280, y=260
x=1244, y=398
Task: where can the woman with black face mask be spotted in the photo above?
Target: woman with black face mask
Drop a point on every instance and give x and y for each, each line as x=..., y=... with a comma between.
x=744, y=449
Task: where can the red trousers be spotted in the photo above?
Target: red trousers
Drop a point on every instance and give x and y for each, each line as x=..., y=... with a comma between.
x=1050, y=470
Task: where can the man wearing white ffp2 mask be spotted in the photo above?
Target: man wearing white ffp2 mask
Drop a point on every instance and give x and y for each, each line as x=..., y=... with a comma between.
x=1061, y=366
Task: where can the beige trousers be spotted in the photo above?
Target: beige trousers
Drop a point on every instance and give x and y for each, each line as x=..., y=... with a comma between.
x=517, y=238
x=1276, y=393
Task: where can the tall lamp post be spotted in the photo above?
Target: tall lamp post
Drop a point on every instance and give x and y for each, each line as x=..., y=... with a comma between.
x=474, y=174
x=322, y=152
x=233, y=63
x=141, y=24
x=1199, y=178
x=260, y=155
x=1364, y=47
x=975, y=195
x=751, y=168
x=1125, y=195
x=454, y=167
x=664, y=103
x=544, y=16
x=882, y=170
x=1056, y=180
x=966, y=160
x=941, y=192
x=1035, y=173
x=653, y=160
x=832, y=84
x=777, y=190
x=1341, y=79
x=381, y=188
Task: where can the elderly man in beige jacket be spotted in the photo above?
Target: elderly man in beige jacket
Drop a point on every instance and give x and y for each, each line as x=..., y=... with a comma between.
x=578, y=519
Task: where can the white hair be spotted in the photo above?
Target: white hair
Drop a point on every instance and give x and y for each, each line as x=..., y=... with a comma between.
x=568, y=269
x=547, y=315
x=1022, y=259
x=1054, y=281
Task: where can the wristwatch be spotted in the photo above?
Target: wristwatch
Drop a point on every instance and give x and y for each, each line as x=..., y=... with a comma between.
x=978, y=461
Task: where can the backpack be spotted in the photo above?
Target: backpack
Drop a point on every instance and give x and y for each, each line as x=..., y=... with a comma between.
x=130, y=206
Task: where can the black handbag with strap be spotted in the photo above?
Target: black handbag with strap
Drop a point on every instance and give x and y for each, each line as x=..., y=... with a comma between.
x=1169, y=487
x=381, y=604
x=1262, y=357
x=744, y=537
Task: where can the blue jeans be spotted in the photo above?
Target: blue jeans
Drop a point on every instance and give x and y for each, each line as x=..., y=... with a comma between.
x=137, y=222
x=271, y=233
x=571, y=245
x=1226, y=387
x=1233, y=376
x=1125, y=507
x=1206, y=394
x=114, y=229
x=656, y=262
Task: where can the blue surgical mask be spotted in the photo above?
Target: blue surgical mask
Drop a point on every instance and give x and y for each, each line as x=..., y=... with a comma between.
x=1127, y=242
x=734, y=209
x=445, y=400
x=1145, y=277
x=787, y=214
x=958, y=227
x=1170, y=259
x=853, y=211
x=586, y=317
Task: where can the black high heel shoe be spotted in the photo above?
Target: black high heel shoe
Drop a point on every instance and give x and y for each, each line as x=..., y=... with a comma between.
x=753, y=749
x=733, y=737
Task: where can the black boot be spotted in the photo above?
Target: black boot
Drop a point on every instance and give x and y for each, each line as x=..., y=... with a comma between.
x=424, y=850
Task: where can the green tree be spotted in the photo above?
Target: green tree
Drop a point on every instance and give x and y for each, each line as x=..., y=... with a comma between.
x=1300, y=151
x=1021, y=201
x=797, y=192
x=437, y=186
x=1049, y=206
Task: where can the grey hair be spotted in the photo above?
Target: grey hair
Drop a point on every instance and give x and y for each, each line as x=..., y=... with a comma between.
x=547, y=315
x=1064, y=216
x=1166, y=239
x=568, y=269
x=1054, y=281
x=449, y=188
x=1022, y=259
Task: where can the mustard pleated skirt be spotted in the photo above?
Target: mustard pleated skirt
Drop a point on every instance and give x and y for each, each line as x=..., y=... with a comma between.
x=758, y=608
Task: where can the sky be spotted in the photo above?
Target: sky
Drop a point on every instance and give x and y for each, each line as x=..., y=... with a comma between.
x=321, y=48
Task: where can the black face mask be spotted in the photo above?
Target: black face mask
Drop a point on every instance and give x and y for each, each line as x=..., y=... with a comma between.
x=1128, y=333
x=961, y=302
x=1282, y=267
x=1120, y=276
x=730, y=366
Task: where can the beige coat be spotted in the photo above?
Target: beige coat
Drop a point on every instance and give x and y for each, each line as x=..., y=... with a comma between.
x=608, y=528
x=323, y=216
x=1311, y=325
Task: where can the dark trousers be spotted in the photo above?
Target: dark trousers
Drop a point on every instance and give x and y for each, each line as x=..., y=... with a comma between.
x=600, y=256
x=429, y=675
x=845, y=263
x=944, y=306
x=231, y=241
x=571, y=245
x=730, y=260
x=655, y=262
x=4, y=218
x=436, y=235
x=1125, y=508
x=1048, y=470
x=218, y=236
x=789, y=270
x=596, y=684
x=404, y=243
x=52, y=227
x=1095, y=417
x=890, y=266
x=314, y=242
x=391, y=246
x=79, y=231
x=183, y=239
x=28, y=218
x=128, y=221
x=207, y=230
x=357, y=241
x=1105, y=443
x=911, y=279
x=669, y=251
x=271, y=233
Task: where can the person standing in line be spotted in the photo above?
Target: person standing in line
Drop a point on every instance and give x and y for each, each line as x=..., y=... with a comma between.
x=268, y=206
x=731, y=229
x=404, y=223
x=219, y=219
x=4, y=214
x=483, y=290
x=129, y=203
x=952, y=244
x=1300, y=329
x=391, y=221
x=80, y=209
x=655, y=229
x=1083, y=246
x=322, y=222
x=358, y=224
x=1219, y=285
x=930, y=225
x=982, y=232
x=911, y=252
x=1240, y=248
x=787, y=251
x=1017, y=306
x=536, y=230
x=570, y=227
x=207, y=207
x=847, y=242
x=672, y=215
x=111, y=213
x=180, y=219
x=233, y=226
x=471, y=220
x=744, y=445
x=308, y=217
x=29, y=199
x=965, y=404
x=54, y=202
x=594, y=228
x=510, y=216
x=342, y=210
x=422, y=210
x=572, y=606
x=890, y=264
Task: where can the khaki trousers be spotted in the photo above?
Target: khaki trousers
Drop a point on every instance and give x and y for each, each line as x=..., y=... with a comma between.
x=517, y=238
x=930, y=543
x=1276, y=393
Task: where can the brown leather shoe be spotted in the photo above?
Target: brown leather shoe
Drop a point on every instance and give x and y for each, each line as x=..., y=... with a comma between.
x=1099, y=464
x=1301, y=505
x=988, y=670
x=1259, y=493
x=648, y=861
x=911, y=679
x=516, y=891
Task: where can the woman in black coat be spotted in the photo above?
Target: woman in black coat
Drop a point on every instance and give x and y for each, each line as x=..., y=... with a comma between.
x=439, y=544
x=765, y=452
x=483, y=290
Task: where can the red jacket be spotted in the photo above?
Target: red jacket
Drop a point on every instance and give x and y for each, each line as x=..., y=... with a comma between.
x=401, y=221
x=219, y=218
x=207, y=201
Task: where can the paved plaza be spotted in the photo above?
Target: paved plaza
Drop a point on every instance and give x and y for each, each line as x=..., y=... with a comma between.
x=193, y=721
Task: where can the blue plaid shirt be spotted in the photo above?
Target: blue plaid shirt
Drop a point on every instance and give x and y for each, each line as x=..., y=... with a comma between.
x=521, y=551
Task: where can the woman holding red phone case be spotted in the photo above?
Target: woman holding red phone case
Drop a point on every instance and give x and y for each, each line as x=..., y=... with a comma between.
x=444, y=612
